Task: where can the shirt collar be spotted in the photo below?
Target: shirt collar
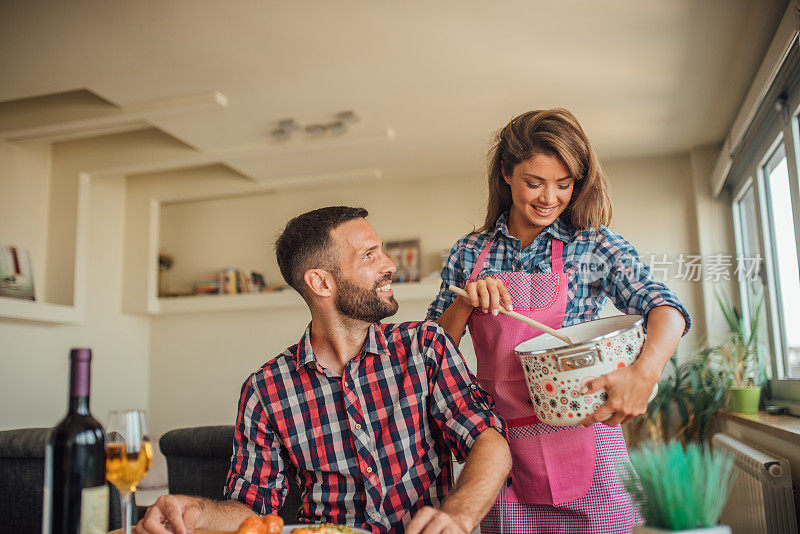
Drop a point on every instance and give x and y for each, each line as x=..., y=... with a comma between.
x=501, y=226
x=375, y=343
x=305, y=354
x=559, y=229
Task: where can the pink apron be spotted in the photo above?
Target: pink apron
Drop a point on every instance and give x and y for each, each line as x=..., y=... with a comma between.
x=552, y=466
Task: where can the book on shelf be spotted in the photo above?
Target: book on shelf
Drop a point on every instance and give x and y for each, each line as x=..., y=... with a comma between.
x=232, y=281
x=16, y=274
x=205, y=287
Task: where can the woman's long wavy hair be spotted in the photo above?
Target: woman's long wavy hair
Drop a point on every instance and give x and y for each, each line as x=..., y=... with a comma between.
x=557, y=133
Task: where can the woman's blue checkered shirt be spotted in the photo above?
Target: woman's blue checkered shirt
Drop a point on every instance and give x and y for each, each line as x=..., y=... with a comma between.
x=599, y=262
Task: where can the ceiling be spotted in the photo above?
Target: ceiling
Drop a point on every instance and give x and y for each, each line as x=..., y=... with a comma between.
x=643, y=77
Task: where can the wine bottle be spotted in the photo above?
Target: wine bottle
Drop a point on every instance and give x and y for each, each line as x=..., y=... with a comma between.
x=75, y=491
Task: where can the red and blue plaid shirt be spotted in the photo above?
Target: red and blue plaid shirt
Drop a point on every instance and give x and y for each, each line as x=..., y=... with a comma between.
x=368, y=448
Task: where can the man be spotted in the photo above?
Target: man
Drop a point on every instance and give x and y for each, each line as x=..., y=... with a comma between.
x=364, y=415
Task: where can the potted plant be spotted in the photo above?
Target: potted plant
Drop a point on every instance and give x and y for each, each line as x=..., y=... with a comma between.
x=679, y=488
x=689, y=395
x=742, y=358
x=165, y=263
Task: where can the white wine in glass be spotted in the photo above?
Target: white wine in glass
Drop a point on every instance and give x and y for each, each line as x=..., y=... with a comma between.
x=129, y=454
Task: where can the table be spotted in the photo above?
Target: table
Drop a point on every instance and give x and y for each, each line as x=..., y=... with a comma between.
x=201, y=531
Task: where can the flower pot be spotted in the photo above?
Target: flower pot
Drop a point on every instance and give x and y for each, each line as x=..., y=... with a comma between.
x=745, y=400
x=719, y=529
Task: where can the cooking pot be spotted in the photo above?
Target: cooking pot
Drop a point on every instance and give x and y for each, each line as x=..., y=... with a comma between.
x=556, y=373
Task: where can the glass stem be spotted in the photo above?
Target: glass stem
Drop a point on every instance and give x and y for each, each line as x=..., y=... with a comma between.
x=126, y=509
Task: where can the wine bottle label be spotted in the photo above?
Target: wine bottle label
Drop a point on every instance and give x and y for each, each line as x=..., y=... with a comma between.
x=94, y=510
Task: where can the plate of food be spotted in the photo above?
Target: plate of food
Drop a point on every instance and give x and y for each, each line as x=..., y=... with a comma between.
x=322, y=528
x=273, y=524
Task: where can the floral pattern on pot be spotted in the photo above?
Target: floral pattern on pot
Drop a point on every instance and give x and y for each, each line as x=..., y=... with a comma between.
x=556, y=394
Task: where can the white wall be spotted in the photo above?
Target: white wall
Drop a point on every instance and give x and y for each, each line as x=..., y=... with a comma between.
x=654, y=210
x=241, y=231
x=34, y=356
x=715, y=236
x=24, y=203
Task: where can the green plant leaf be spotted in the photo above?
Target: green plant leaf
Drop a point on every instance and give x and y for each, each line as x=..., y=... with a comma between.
x=678, y=488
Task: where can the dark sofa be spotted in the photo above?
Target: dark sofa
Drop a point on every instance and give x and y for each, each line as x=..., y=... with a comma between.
x=198, y=460
x=22, y=481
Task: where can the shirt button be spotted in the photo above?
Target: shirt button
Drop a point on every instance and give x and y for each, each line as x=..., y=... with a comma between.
x=375, y=515
x=358, y=426
x=369, y=470
x=473, y=387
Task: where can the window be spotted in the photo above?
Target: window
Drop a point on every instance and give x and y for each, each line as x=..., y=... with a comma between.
x=765, y=199
x=751, y=276
x=783, y=237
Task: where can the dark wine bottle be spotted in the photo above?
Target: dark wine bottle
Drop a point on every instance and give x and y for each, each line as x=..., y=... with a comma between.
x=75, y=491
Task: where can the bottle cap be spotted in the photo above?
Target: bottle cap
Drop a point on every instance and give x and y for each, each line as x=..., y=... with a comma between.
x=80, y=354
x=80, y=360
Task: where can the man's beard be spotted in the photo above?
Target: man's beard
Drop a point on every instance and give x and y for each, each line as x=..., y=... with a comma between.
x=363, y=304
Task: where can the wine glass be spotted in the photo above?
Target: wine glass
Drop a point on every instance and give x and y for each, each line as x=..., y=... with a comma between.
x=129, y=454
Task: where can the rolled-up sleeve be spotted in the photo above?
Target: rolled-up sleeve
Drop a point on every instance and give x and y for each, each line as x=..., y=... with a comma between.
x=256, y=476
x=461, y=409
x=629, y=282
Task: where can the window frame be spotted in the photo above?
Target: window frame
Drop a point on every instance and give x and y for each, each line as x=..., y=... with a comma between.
x=776, y=122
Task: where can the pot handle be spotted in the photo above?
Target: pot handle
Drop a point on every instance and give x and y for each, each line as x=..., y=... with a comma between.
x=579, y=358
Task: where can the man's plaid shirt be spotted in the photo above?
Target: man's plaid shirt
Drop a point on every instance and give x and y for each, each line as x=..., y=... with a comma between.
x=368, y=448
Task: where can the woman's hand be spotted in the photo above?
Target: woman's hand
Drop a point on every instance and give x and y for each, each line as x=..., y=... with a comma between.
x=629, y=391
x=487, y=294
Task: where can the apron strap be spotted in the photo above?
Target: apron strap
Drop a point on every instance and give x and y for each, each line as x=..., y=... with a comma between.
x=556, y=252
x=481, y=258
x=556, y=260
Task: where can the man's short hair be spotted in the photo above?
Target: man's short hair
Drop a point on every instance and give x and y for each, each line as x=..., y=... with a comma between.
x=305, y=242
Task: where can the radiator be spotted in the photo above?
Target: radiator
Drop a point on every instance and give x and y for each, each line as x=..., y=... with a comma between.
x=761, y=499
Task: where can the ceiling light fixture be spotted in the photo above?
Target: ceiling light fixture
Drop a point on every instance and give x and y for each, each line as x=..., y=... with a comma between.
x=285, y=127
x=280, y=135
x=336, y=128
x=316, y=130
x=288, y=125
x=347, y=117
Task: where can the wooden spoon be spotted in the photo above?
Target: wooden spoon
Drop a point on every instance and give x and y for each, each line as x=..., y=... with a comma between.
x=519, y=317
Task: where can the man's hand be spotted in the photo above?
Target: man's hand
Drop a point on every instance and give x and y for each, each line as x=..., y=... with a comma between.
x=178, y=514
x=485, y=470
x=181, y=514
x=432, y=521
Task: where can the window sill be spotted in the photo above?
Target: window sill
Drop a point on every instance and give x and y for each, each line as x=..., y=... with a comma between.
x=786, y=427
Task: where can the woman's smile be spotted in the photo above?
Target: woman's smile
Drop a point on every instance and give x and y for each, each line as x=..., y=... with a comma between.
x=544, y=212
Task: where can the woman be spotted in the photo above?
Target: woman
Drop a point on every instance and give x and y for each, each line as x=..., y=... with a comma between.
x=545, y=251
